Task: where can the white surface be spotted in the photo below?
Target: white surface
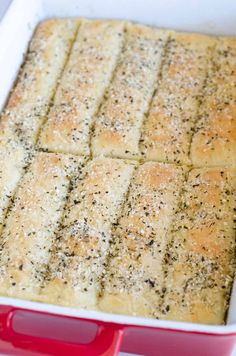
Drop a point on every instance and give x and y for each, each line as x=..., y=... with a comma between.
x=191, y=15
x=3, y=6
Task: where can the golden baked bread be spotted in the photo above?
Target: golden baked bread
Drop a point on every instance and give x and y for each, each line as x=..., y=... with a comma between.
x=134, y=277
x=117, y=171
x=201, y=255
x=118, y=124
x=167, y=131
x=29, y=100
x=27, y=238
x=81, y=89
x=13, y=159
x=214, y=140
x=81, y=246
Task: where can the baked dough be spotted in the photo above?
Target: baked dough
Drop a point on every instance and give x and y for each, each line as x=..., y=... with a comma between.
x=118, y=124
x=79, y=255
x=130, y=232
x=200, y=260
x=30, y=98
x=167, y=131
x=87, y=74
x=214, y=142
x=13, y=159
x=133, y=282
x=27, y=237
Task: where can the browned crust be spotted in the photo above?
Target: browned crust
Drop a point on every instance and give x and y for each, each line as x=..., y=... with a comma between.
x=201, y=257
x=214, y=141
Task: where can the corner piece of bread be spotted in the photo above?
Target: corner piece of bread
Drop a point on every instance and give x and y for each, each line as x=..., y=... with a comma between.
x=214, y=140
x=202, y=251
x=29, y=100
x=28, y=235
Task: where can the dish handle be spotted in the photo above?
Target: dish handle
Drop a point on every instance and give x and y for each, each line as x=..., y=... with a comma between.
x=35, y=332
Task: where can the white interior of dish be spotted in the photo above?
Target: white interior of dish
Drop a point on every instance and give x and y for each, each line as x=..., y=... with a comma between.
x=211, y=17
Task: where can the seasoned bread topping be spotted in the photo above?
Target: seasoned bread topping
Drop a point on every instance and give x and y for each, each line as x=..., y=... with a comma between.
x=117, y=171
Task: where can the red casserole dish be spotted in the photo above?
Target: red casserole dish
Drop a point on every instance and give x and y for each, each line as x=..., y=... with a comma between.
x=31, y=332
